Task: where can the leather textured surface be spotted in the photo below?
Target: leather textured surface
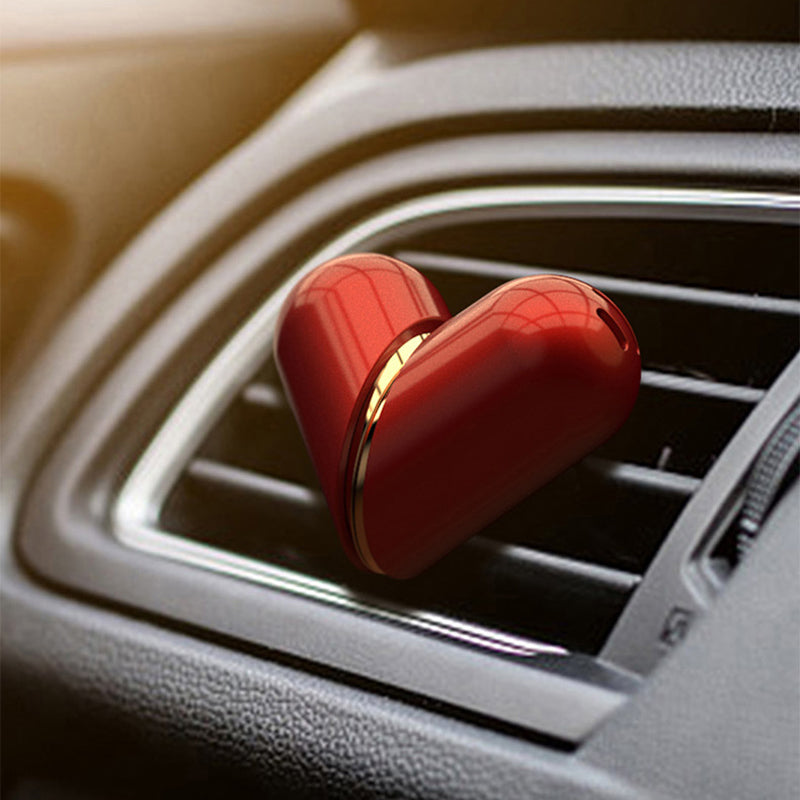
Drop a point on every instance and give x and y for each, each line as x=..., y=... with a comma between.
x=721, y=718
x=196, y=714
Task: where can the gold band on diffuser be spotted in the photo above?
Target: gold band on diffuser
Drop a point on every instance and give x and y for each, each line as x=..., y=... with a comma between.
x=375, y=404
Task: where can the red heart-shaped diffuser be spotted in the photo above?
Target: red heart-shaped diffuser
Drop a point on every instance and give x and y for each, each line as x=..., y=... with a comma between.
x=425, y=428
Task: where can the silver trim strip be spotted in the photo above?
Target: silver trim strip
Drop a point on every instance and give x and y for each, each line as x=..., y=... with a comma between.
x=135, y=514
x=702, y=387
x=501, y=270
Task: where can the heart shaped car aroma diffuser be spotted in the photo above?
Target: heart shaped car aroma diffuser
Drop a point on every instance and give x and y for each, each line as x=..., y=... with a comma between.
x=423, y=427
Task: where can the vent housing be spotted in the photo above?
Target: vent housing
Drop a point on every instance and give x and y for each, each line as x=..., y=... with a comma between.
x=716, y=315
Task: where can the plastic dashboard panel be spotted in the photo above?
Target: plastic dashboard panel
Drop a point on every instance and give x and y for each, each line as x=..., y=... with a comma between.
x=64, y=536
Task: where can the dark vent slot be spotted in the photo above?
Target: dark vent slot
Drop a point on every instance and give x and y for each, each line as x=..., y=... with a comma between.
x=252, y=514
x=651, y=438
x=259, y=433
x=713, y=335
x=600, y=512
x=704, y=254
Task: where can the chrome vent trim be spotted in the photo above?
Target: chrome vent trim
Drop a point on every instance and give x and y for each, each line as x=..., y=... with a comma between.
x=138, y=506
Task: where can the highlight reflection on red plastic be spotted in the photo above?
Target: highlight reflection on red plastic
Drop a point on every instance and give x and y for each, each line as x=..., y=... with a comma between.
x=493, y=404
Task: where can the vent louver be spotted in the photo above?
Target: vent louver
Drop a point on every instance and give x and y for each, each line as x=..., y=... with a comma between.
x=717, y=320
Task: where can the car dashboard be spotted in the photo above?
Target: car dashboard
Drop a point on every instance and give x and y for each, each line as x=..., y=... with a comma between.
x=178, y=616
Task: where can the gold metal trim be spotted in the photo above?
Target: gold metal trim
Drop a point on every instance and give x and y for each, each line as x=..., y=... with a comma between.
x=377, y=400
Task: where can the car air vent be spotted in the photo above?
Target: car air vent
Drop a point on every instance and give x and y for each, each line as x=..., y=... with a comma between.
x=714, y=303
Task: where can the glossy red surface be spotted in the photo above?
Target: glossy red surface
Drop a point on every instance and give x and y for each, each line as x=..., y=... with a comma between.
x=335, y=331
x=494, y=404
x=496, y=401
